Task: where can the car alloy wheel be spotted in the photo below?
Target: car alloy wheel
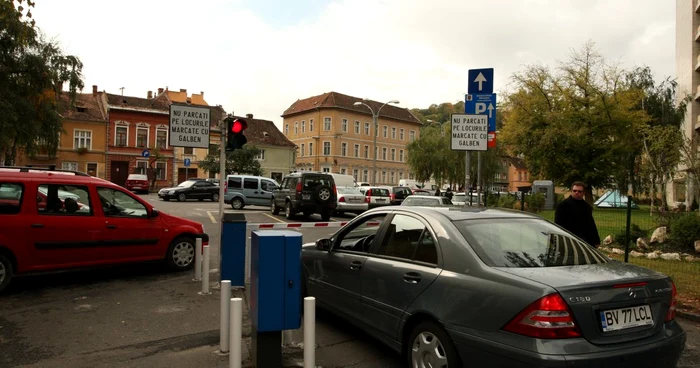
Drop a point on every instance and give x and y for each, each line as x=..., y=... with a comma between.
x=427, y=351
x=181, y=197
x=237, y=204
x=324, y=194
x=215, y=197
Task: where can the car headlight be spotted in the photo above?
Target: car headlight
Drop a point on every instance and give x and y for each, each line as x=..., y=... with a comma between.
x=171, y=192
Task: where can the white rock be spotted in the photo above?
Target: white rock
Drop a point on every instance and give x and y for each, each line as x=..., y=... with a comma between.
x=652, y=255
x=671, y=256
x=608, y=240
x=659, y=235
x=618, y=251
x=691, y=258
x=697, y=246
x=642, y=243
x=634, y=253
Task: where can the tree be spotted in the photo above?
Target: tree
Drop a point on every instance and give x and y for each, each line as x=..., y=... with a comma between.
x=575, y=123
x=32, y=74
x=155, y=156
x=241, y=161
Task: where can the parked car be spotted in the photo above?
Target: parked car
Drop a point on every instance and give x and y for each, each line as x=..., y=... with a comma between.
x=376, y=196
x=460, y=199
x=350, y=199
x=398, y=194
x=242, y=190
x=57, y=222
x=421, y=192
x=137, y=183
x=307, y=193
x=491, y=288
x=214, y=181
x=430, y=201
x=191, y=189
x=363, y=184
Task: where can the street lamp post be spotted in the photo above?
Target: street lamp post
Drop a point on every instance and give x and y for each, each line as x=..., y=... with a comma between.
x=375, y=117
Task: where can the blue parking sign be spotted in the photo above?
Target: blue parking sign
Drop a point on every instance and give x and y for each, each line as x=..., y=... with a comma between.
x=482, y=104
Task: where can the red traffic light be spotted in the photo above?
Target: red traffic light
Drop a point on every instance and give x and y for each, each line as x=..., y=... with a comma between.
x=239, y=126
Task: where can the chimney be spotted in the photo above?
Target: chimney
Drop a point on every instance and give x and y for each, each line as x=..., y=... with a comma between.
x=150, y=95
x=183, y=90
x=94, y=90
x=249, y=116
x=160, y=91
x=201, y=93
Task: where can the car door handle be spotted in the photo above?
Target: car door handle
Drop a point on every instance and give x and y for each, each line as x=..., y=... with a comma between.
x=37, y=226
x=355, y=265
x=412, y=277
x=255, y=192
x=110, y=226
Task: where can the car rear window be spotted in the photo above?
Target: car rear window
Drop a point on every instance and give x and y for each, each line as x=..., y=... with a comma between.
x=10, y=198
x=312, y=181
x=526, y=243
x=137, y=177
x=380, y=192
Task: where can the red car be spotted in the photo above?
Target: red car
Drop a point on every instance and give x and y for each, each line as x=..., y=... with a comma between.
x=52, y=220
x=137, y=183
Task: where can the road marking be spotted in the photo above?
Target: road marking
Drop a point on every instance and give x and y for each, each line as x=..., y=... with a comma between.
x=211, y=217
x=272, y=217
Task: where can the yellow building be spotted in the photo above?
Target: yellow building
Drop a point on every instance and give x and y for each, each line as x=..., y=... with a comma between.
x=82, y=144
x=335, y=133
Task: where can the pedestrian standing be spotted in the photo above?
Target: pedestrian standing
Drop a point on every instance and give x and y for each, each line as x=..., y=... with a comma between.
x=576, y=215
x=437, y=192
x=448, y=193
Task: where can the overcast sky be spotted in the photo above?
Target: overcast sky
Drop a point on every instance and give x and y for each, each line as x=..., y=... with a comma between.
x=259, y=56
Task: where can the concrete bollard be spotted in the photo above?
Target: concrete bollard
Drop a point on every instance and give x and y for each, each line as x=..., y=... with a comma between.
x=198, y=260
x=225, y=316
x=205, y=272
x=309, y=332
x=235, y=356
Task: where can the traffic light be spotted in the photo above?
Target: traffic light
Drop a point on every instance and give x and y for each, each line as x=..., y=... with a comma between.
x=234, y=133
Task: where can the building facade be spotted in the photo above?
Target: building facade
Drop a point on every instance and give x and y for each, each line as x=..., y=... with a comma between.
x=83, y=142
x=688, y=77
x=335, y=135
x=518, y=176
x=277, y=153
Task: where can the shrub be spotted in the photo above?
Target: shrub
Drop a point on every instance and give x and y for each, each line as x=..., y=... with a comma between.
x=516, y=206
x=507, y=201
x=535, y=202
x=635, y=232
x=684, y=230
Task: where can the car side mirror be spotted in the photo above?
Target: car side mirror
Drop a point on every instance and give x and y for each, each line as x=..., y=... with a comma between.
x=154, y=213
x=323, y=244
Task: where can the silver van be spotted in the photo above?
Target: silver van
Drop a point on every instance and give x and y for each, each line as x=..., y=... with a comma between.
x=242, y=190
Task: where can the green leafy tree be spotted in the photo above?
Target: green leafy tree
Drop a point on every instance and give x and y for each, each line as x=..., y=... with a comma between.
x=33, y=72
x=242, y=161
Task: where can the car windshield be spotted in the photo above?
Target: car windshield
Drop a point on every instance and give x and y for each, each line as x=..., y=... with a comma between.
x=313, y=181
x=187, y=184
x=347, y=190
x=418, y=201
x=526, y=243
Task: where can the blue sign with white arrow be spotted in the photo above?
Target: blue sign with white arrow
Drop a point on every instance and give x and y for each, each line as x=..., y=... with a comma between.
x=482, y=104
x=187, y=162
x=480, y=81
x=145, y=153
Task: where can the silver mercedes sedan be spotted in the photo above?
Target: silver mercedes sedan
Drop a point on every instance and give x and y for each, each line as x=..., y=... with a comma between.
x=491, y=288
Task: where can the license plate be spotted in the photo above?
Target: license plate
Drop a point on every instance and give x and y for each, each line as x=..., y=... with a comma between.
x=623, y=318
x=380, y=199
x=306, y=196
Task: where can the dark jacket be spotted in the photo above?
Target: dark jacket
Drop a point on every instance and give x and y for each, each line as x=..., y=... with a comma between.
x=577, y=217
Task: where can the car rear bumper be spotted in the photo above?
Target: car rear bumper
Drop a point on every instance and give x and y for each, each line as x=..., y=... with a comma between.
x=658, y=354
x=351, y=207
x=375, y=205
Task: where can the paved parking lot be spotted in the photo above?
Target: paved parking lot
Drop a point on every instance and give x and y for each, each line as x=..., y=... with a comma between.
x=144, y=316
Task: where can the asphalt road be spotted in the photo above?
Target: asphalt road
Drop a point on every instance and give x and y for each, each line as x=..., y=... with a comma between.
x=144, y=316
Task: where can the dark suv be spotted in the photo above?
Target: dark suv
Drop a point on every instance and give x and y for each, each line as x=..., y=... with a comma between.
x=398, y=194
x=307, y=193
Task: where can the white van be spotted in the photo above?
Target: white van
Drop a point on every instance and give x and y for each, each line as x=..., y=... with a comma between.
x=414, y=184
x=342, y=180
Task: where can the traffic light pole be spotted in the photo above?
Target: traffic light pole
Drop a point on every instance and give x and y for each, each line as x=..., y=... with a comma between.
x=222, y=168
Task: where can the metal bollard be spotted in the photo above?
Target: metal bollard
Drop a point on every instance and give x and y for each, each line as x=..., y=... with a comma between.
x=234, y=357
x=205, y=272
x=198, y=260
x=225, y=316
x=309, y=332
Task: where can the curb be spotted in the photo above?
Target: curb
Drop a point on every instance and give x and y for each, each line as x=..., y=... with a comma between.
x=689, y=316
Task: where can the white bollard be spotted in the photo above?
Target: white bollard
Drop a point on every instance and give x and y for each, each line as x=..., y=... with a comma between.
x=198, y=260
x=234, y=357
x=225, y=315
x=309, y=332
x=205, y=272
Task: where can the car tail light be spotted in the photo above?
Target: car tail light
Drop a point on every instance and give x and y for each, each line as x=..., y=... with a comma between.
x=547, y=318
x=392, y=196
x=341, y=199
x=671, y=314
x=335, y=190
x=226, y=186
x=299, y=187
x=367, y=199
x=369, y=192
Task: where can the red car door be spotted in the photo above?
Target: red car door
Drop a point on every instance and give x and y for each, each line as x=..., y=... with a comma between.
x=130, y=234
x=63, y=230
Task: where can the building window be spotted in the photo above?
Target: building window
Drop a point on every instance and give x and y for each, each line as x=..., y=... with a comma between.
x=260, y=156
x=410, y=176
x=311, y=149
x=142, y=137
x=188, y=150
x=344, y=125
x=162, y=138
x=326, y=169
x=355, y=173
x=161, y=168
x=383, y=153
x=343, y=149
x=296, y=127
x=367, y=128
x=366, y=151
x=401, y=155
x=120, y=138
x=286, y=129
x=72, y=166
x=303, y=126
x=400, y=175
x=393, y=176
x=411, y=135
x=91, y=168
x=311, y=125
x=141, y=167
x=385, y=131
x=357, y=150
x=343, y=171
x=520, y=176
x=357, y=127
x=393, y=133
x=326, y=148
x=496, y=176
x=401, y=134
x=393, y=155
x=383, y=176
x=365, y=175
x=302, y=150
x=326, y=124
x=82, y=139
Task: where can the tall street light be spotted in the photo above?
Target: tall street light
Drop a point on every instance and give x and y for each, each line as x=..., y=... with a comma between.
x=375, y=117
